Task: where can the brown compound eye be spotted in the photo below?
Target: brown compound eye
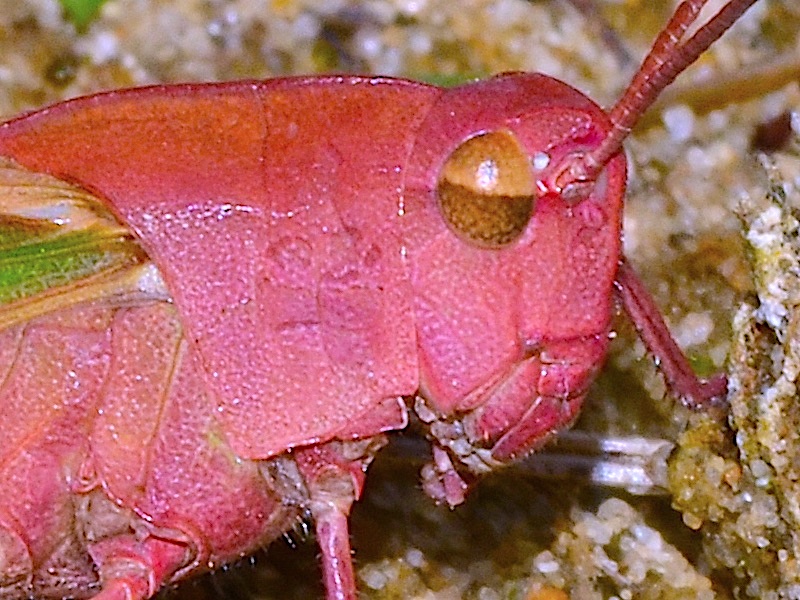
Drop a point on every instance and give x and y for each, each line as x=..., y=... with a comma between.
x=485, y=189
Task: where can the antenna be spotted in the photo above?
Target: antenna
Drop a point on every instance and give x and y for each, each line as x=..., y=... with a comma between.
x=669, y=56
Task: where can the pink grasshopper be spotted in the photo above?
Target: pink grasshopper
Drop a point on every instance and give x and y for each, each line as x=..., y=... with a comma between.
x=376, y=240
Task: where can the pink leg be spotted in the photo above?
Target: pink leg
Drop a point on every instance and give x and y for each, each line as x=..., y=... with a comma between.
x=333, y=537
x=334, y=483
x=135, y=570
x=647, y=319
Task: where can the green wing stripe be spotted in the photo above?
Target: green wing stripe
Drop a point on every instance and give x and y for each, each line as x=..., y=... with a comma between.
x=35, y=259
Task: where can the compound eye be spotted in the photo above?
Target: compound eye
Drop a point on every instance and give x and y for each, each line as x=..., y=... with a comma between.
x=485, y=189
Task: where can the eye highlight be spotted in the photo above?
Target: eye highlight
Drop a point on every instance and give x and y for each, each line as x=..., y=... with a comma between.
x=485, y=189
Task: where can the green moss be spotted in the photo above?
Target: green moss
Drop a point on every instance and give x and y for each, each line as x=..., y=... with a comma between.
x=81, y=12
